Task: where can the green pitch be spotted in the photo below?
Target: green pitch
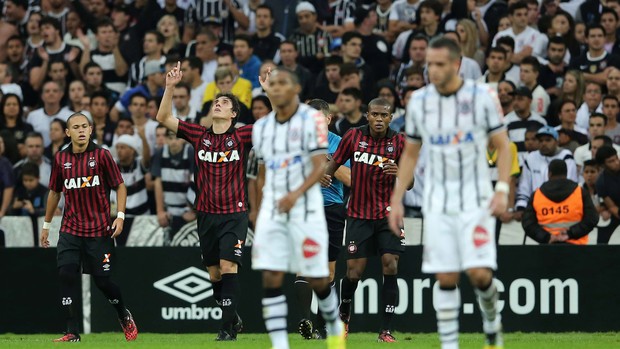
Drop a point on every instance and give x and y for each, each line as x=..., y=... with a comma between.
x=355, y=341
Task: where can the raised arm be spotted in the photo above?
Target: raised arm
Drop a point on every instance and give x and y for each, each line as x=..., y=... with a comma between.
x=164, y=115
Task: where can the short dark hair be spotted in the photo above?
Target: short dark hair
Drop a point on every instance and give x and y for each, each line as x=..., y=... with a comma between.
x=47, y=20
x=124, y=118
x=244, y=37
x=593, y=26
x=99, y=94
x=158, y=36
x=451, y=46
x=567, y=101
x=599, y=115
x=76, y=114
x=558, y=40
x=289, y=42
x=264, y=99
x=612, y=97
x=194, y=63
x=30, y=169
x=236, y=108
x=35, y=134
x=353, y=92
x=498, y=49
x=18, y=38
x=138, y=95
x=557, y=168
x=105, y=22
x=517, y=6
x=590, y=163
x=348, y=69
x=333, y=60
x=350, y=35
x=604, y=153
x=413, y=70
x=420, y=37
x=224, y=53
x=89, y=65
x=382, y=102
x=209, y=33
x=532, y=129
x=533, y=61
x=609, y=10
x=265, y=7
x=506, y=40
x=432, y=5
x=320, y=105
x=606, y=140
x=20, y=3
x=186, y=86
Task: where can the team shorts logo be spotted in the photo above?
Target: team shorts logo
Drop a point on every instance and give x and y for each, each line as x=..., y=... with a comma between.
x=352, y=248
x=481, y=236
x=453, y=138
x=310, y=248
x=230, y=143
x=82, y=182
x=218, y=156
x=371, y=159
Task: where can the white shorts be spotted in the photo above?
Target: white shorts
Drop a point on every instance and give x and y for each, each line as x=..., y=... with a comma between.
x=457, y=242
x=297, y=246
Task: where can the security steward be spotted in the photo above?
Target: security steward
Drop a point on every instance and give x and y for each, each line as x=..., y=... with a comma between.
x=560, y=211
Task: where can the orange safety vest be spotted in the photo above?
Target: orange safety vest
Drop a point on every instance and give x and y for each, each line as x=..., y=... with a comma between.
x=556, y=217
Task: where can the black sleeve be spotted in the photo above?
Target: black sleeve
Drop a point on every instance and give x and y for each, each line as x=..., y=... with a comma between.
x=589, y=220
x=531, y=226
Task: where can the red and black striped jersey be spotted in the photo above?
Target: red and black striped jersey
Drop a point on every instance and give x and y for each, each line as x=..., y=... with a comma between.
x=86, y=180
x=221, y=160
x=371, y=188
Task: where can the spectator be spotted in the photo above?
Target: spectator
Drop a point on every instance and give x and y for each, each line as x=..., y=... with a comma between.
x=470, y=34
x=582, y=154
x=160, y=137
x=265, y=68
x=76, y=28
x=505, y=92
x=93, y=79
x=153, y=53
x=16, y=57
x=30, y=196
x=399, y=124
x=241, y=87
x=592, y=102
x=560, y=211
x=53, y=50
x=41, y=118
x=568, y=115
x=168, y=26
x=567, y=140
x=289, y=59
x=609, y=22
x=311, y=41
x=340, y=18
x=351, y=52
x=8, y=77
x=248, y=63
x=611, y=108
x=532, y=143
x=521, y=119
x=374, y=47
x=417, y=58
x=414, y=77
x=152, y=86
x=528, y=41
x=329, y=92
x=530, y=68
x=265, y=41
x=608, y=189
x=192, y=75
x=7, y=184
x=563, y=26
x=535, y=171
x=595, y=63
x=349, y=103
x=403, y=16
x=181, y=107
x=511, y=70
x=613, y=82
x=229, y=13
x=170, y=7
x=430, y=17
x=383, y=11
x=387, y=92
x=34, y=37
x=551, y=75
x=261, y=106
x=103, y=127
x=59, y=73
x=58, y=138
x=13, y=128
x=77, y=92
x=469, y=68
x=224, y=83
x=18, y=12
x=133, y=161
x=496, y=63
x=573, y=89
x=172, y=169
x=107, y=55
x=34, y=154
x=145, y=126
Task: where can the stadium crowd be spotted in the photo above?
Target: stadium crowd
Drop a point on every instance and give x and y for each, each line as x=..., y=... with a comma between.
x=554, y=64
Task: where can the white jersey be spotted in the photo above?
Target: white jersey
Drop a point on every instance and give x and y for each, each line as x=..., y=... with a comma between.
x=286, y=150
x=529, y=37
x=455, y=131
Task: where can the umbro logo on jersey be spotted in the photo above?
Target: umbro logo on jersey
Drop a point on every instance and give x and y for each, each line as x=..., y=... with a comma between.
x=68, y=165
x=452, y=138
x=82, y=182
x=206, y=142
x=371, y=159
x=218, y=156
x=363, y=145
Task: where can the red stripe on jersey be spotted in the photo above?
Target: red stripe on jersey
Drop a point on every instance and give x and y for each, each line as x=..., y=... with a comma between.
x=371, y=188
x=221, y=161
x=85, y=179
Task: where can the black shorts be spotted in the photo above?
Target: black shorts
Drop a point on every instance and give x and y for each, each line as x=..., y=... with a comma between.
x=222, y=236
x=371, y=237
x=335, y=216
x=95, y=255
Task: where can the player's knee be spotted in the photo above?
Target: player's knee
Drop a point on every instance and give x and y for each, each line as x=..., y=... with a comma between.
x=354, y=275
x=228, y=267
x=480, y=277
x=390, y=264
x=447, y=280
x=102, y=282
x=214, y=273
x=69, y=273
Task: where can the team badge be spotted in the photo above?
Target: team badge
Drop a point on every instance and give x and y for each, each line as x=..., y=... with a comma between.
x=294, y=135
x=481, y=236
x=352, y=248
x=92, y=163
x=206, y=142
x=363, y=145
x=593, y=69
x=603, y=65
x=465, y=108
x=229, y=143
x=390, y=148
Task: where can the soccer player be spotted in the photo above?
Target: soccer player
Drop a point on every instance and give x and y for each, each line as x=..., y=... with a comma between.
x=374, y=150
x=455, y=119
x=85, y=173
x=333, y=202
x=220, y=155
x=291, y=231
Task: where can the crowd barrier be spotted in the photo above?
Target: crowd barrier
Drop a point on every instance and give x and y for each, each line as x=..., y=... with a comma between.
x=22, y=232
x=542, y=289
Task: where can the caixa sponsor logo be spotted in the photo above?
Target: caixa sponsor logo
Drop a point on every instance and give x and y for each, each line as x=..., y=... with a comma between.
x=522, y=297
x=191, y=285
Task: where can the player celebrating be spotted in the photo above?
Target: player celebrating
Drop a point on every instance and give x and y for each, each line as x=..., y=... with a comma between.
x=455, y=119
x=85, y=173
x=220, y=154
x=333, y=201
x=374, y=150
x=291, y=232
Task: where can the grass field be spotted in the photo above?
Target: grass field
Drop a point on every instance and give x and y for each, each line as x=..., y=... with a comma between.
x=356, y=341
